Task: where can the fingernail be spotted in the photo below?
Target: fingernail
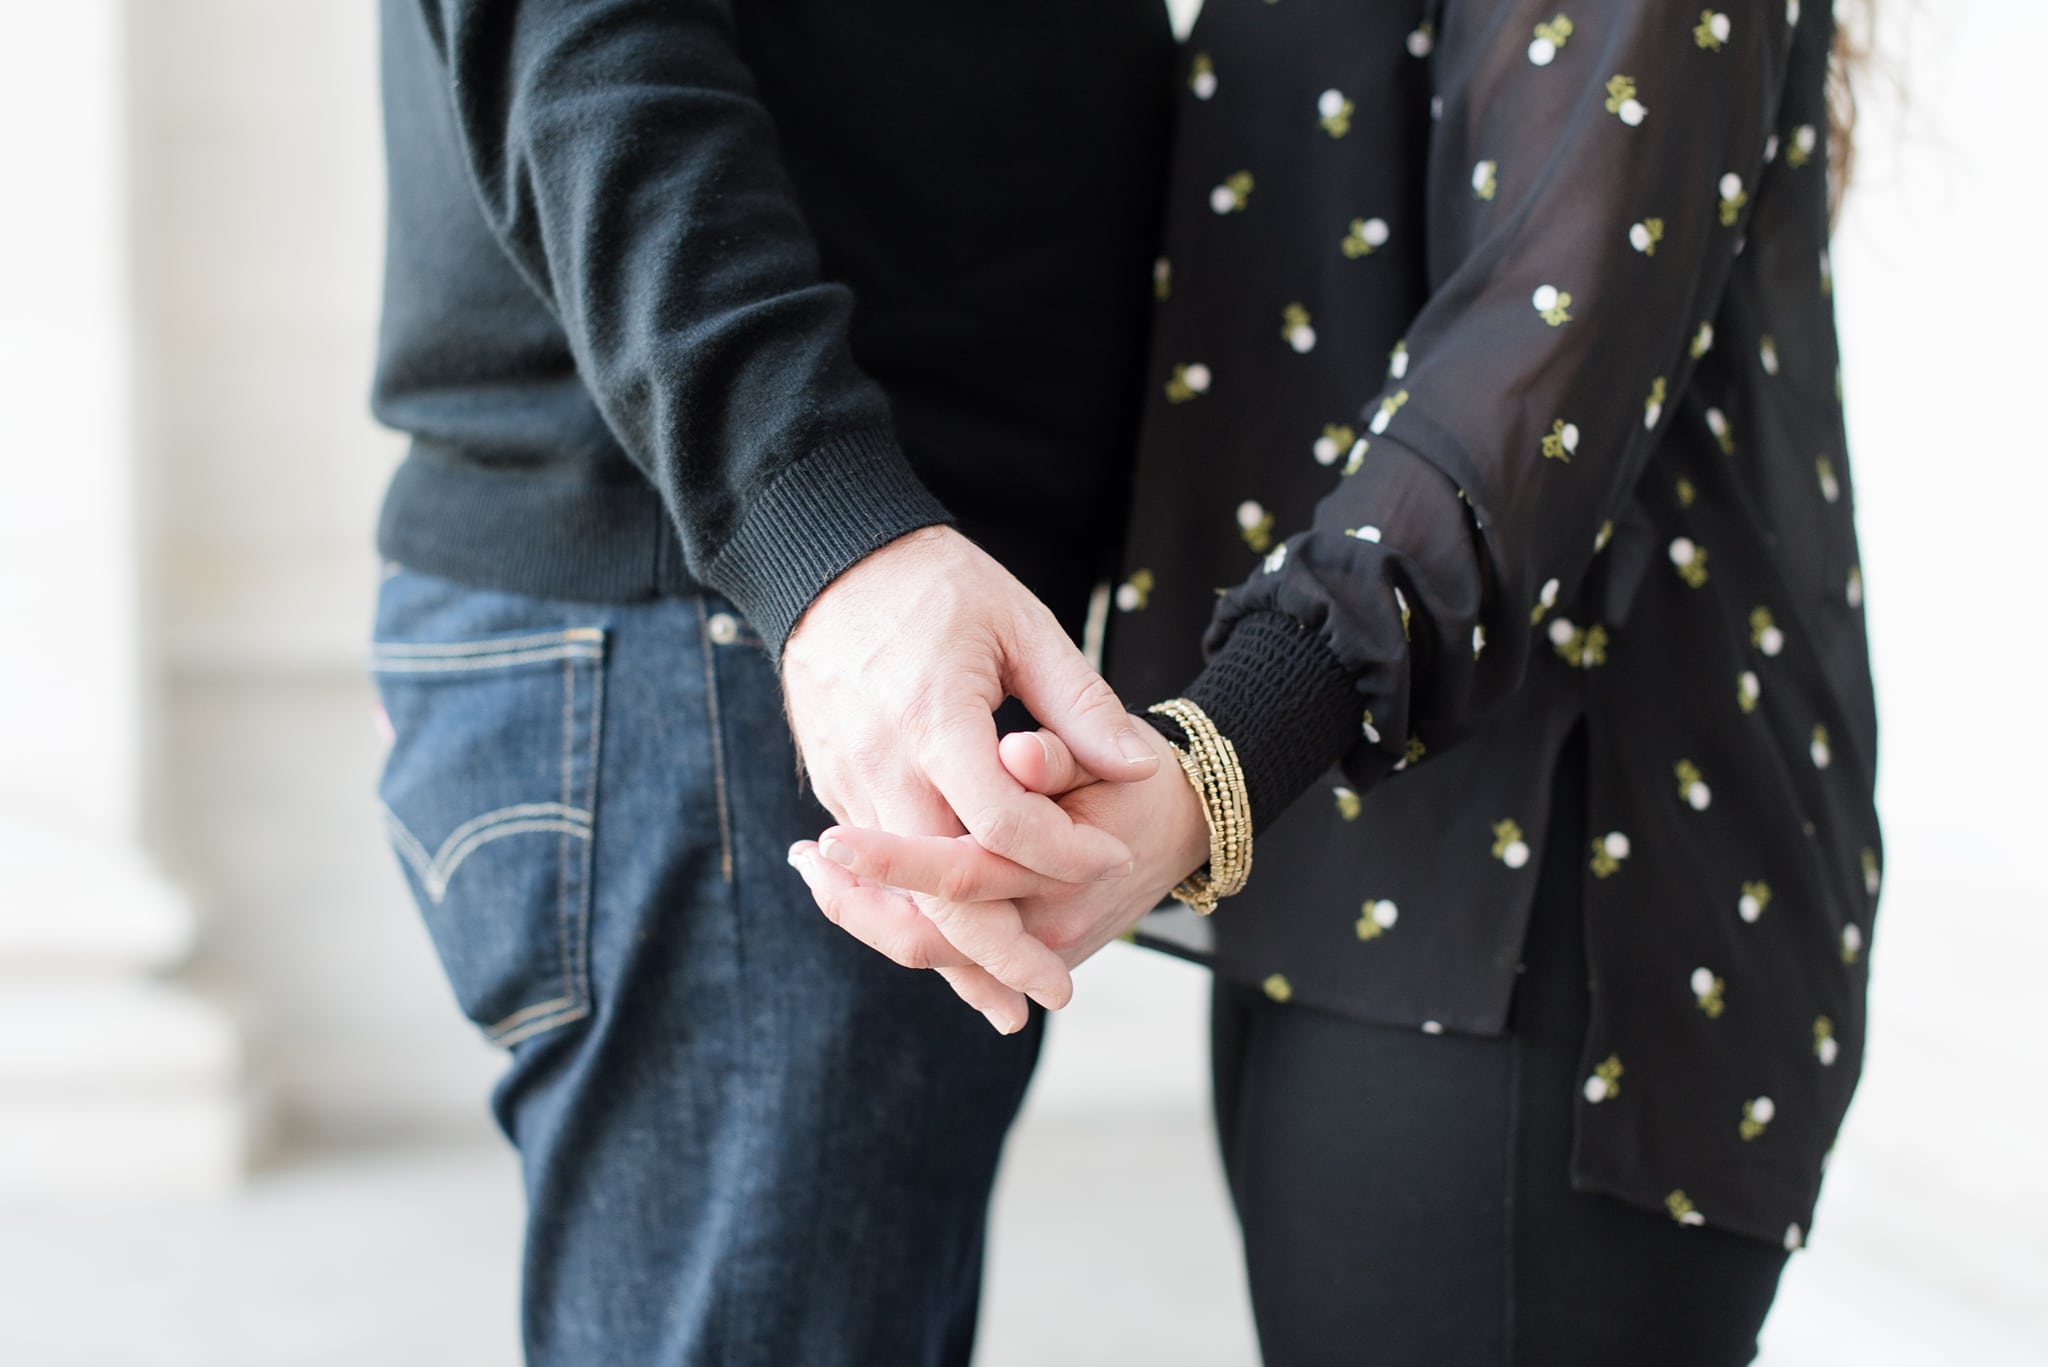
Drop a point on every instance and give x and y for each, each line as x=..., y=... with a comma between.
x=836, y=850
x=1003, y=1024
x=1044, y=750
x=1122, y=870
x=1133, y=749
x=796, y=855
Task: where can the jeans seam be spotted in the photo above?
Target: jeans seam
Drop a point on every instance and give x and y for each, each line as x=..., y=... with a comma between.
x=705, y=646
x=562, y=942
x=581, y=951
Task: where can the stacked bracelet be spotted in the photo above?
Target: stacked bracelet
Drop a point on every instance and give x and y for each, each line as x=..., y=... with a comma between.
x=1210, y=762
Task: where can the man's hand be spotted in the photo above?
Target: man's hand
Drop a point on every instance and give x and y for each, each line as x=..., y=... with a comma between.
x=891, y=680
x=855, y=873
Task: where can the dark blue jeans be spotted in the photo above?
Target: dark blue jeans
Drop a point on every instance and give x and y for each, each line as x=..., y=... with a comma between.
x=746, y=1138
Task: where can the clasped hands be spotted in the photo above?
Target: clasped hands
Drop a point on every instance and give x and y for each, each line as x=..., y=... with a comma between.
x=999, y=864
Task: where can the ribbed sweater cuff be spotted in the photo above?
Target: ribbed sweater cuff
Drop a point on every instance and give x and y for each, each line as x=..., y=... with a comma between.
x=852, y=495
x=1279, y=695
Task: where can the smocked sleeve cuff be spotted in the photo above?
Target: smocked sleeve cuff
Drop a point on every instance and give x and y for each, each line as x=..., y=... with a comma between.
x=1283, y=700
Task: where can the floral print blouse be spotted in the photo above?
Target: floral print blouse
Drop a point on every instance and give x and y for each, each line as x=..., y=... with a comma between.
x=1496, y=387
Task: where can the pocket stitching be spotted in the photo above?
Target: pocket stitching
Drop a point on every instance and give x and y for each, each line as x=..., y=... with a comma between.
x=437, y=869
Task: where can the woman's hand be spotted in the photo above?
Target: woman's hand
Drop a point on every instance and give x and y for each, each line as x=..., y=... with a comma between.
x=907, y=895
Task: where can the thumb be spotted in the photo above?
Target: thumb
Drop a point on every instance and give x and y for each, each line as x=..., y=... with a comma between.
x=1041, y=761
x=1055, y=681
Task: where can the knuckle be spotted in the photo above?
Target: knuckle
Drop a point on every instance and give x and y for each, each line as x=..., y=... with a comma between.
x=1094, y=695
x=1059, y=936
x=999, y=828
x=959, y=883
x=910, y=951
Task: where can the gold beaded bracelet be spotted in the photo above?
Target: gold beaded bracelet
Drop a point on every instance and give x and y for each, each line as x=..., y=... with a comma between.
x=1210, y=763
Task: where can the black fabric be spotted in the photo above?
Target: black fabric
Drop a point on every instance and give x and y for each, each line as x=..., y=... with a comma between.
x=1495, y=352
x=685, y=292
x=1404, y=1196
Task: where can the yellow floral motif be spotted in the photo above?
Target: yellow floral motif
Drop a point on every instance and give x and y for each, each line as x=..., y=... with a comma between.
x=1605, y=1084
x=1852, y=943
x=1202, y=76
x=1767, y=353
x=1824, y=471
x=1606, y=532
x=1692, y=788
x=1622, y=101
x=1763, y=631
x=1653, y=407
x=1724, y=435
x=1389, y=406
x=1255, y=524
x=1645, y=236
x=1348, y=803
x=1561, y=441
x=1553, y=304
x=1187, y=381
x=1486, y=180
x=1278, y=988
x=1401, y=602
x=1707, y=989
x=1334, y=112
x=1335, y=441
x=1414, y=751
x=1733, y=197
x=1357, y=456
x=1682, y=1210
x=1852, y=589
x=1608, y=852
x=1712, y=31
x=1367, y=729
x=1755, y=897
x=1870, y=877
x=1804, y=140
x=1508, y=845
x=1135, y=592
x=1689, y=558
x=1826, y=1047
x=1818, y=747
x=1686, y=493
x=1747, y=691
x=1366, y=236
x=1580, y=647
x=1295, y=328
x=1549, y=38
x=1702, y=341
x=1397, y=361
x=1376, y=918
x=1233, y=194
x=1546, y=599
x=1756, y=1114
x=1162, y=279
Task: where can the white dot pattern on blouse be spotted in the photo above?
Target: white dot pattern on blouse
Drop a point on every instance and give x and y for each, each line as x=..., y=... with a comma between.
x=1284, y=468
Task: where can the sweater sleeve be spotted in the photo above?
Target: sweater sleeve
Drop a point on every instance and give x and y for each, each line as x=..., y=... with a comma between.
x=622, y=158
x=1588, y=184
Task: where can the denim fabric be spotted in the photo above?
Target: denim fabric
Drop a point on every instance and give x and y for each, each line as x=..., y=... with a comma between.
x=745, y=1137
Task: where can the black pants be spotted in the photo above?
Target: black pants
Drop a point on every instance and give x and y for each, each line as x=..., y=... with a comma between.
x=1405, y=1198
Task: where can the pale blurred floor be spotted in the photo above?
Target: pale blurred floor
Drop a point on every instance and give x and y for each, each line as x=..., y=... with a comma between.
x=1112, y=1247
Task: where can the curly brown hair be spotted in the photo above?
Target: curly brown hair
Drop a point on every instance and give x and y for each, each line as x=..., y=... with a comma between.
x=1848, y=62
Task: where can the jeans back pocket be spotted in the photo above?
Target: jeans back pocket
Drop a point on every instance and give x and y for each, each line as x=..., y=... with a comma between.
x=489, y=794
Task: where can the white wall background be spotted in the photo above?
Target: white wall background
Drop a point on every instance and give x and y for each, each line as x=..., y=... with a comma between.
x=255, y=206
